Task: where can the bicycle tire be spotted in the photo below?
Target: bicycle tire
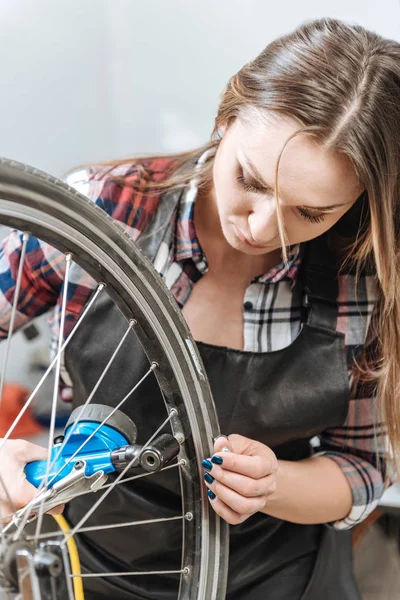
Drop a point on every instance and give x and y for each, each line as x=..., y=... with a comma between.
x=35, y=202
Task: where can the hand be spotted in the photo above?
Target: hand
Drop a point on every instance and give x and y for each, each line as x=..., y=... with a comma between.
x=14, y=455
x=241, y=479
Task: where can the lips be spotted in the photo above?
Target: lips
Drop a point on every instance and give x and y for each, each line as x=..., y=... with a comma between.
x=242, y=237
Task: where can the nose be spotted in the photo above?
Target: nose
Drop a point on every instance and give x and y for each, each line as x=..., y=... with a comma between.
x=263, y=222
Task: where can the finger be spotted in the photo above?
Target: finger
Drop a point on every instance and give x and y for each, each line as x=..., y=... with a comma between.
x=24, y=494
x=6, y=513
x=244, y=445
x=26, y=451
x=17, y=498
x=222, y=444
x=255, y=467
x=67, y=394
x=246, y=486
x=235, y=501
x=57, y=510
x=226, y=513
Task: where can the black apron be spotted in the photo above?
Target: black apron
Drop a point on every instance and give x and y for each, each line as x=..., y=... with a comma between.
x=281, y=398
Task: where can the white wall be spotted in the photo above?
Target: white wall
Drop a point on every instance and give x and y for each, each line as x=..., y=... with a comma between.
x=83, y=80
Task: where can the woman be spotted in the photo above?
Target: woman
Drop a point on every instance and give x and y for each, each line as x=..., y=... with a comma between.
x=280, y=241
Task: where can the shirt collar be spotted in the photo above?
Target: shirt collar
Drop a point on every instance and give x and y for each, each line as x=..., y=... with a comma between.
x=289, y=269
x=187, y=244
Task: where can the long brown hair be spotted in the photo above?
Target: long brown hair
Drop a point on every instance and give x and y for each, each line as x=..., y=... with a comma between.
x=342, y=84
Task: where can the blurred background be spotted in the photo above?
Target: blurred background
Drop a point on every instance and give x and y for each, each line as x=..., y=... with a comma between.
x=83, y=80
x=89, y=80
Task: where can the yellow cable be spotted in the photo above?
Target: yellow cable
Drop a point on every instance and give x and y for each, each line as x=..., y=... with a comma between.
x=73, y=557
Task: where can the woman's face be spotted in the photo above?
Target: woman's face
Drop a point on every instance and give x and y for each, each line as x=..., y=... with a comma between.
x=316, y=187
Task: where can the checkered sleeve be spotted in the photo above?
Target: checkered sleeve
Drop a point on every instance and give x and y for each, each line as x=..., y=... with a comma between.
x=116, y=191
x=41, y=279
x=358, y=447
x=121, y=190
x=43, y=273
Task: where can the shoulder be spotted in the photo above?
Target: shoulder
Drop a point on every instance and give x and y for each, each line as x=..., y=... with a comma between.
x=358, y=291
x=127, y=190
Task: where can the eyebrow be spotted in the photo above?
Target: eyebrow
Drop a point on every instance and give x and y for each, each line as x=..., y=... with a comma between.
x=256, y=175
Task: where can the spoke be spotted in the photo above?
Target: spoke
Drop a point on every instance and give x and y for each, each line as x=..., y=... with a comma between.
x=178, y=464
x=50, y=368
x=74, y=330
x=7, y=595
x=131, y=324
x=10, y=501
x=25, y=239
x=112, y=526
x=127, y=573
x=55, y=389
x=147, y=474
x=72, y=429
x=134, y=461
x=7, y=527
x=87, y=440
x=183, y=531
x=26, y=510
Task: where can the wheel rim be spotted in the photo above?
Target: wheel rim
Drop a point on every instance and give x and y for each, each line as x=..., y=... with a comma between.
x=32, y=201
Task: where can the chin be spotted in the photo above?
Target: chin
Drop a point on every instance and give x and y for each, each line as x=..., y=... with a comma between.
x=246, y=249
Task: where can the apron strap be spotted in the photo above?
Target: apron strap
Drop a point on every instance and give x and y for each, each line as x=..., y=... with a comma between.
x=320, y=284
x=320, y=272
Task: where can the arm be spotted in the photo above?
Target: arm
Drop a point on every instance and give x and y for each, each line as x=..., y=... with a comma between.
x=44, y=266
x=42, y=281
x=251, y=480
x=342, y=483
x=341, y=487
x=346, y=476
x=43, y=273
x=313, y=490
x=42, y=277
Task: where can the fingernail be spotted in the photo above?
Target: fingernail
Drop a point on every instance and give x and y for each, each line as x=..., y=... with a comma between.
x=217, y=460
x=211, y=494
x=220, y=436
x=207, y=464
x=209, y=478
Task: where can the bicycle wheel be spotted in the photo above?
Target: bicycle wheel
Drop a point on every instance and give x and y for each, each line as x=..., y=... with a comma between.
x=45, y=208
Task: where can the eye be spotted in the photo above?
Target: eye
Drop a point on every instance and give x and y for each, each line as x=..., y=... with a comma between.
x=249, y=187
x=310, y=218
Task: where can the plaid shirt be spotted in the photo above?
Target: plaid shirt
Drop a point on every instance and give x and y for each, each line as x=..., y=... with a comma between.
x=271, y=312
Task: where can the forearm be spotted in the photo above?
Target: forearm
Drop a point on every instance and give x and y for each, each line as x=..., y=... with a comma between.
x=309, y=491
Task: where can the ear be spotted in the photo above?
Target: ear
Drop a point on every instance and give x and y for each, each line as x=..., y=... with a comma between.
x=222, y=127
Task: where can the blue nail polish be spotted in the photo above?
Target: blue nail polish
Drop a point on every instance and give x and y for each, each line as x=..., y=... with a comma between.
x=217, y=460
x=211, y=494
x=207, y=464
x=209, y=478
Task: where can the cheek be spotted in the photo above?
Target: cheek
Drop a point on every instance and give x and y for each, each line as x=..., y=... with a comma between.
x=300, y=230
x=230, y=203
x=229, y=198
